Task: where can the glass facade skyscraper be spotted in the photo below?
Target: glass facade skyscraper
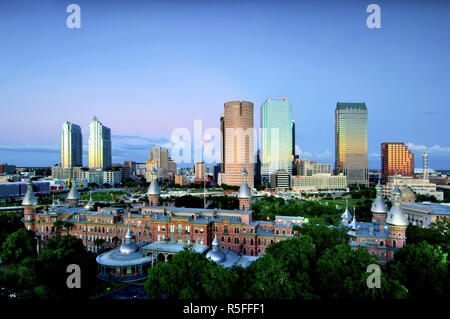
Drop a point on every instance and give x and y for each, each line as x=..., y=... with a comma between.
x=351, y=142
x=99, y=145
x=71, y=145
x=276, y=137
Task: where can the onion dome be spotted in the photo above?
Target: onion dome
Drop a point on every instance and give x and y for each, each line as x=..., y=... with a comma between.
x=244, y=190
x=378, y=205
x=215, y=254
x=128, y=247
x=29, y=199
x=396, y=216
x=154, y=189
x=73, y=194
x=90, y=203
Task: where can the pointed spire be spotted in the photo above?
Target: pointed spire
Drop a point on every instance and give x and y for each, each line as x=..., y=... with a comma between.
x=353, y=223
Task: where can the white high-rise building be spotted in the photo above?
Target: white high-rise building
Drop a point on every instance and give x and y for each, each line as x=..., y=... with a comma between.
x=99, y=145
x=71, y=145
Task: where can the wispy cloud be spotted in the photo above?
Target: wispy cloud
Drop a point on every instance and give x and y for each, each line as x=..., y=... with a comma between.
x=325, y=155
x=30, y=148
x=435, y=149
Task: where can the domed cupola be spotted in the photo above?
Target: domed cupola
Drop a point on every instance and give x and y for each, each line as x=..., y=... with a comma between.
x=215, y=254
x=73, y=196
x=379, y=209
x=90, y=204
x=128, y=247
x=153, y=193
x=29, y=199
x=245, y=193
x=396, y=216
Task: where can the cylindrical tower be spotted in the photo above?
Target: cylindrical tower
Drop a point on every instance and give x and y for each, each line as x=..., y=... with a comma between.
x=238, y=145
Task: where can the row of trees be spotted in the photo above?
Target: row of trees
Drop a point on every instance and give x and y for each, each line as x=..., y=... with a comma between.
x=317, y=264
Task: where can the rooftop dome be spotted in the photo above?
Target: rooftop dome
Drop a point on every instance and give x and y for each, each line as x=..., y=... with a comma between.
x=29, y=199
x=128, y=247
x=154, y=189
x=215, y=254
x=90, y=203
x=73, y=194
x=378, y=205
x=396, y=216
x=244, y=190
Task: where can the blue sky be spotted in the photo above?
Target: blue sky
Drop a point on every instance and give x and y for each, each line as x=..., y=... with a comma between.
x=145, y=68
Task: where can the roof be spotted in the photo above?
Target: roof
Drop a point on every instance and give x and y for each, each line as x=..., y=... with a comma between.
x=154, y=189
x=115, y=258
x=29, y=199
x=174, y=247
x=345, y=105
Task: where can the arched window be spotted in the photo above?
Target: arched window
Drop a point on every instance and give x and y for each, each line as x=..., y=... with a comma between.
x=180, y=229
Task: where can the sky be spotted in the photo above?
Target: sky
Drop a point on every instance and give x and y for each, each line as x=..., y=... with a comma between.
x=145, y=68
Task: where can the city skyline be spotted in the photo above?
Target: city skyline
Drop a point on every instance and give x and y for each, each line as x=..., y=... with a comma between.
x=329, y=55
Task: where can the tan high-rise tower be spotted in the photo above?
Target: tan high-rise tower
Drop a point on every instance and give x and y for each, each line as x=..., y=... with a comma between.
x=238, y=148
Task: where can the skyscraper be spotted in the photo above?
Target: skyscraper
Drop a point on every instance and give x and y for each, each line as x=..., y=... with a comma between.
x=351, y=142
x=161, y=156
x=99, y=145
x=238, y=146
x=276, y=137
x=71, y=145
x=396, y=159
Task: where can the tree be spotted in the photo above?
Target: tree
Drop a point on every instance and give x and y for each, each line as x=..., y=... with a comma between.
x=115, y=240
x=58, y=225
x=266, y=279
x=180, y=278
x=423, y=269
x=52, y=262
x=296, y=257
x=323, y=236
x=18, y=246
x=220, y=283
x=341, y=272
x=9, y=223
x=99, y=242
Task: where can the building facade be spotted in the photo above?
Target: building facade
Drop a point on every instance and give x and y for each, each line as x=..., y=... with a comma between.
x=99, y=145
x=319, y=183
x=199, y=170
x=235, y=229
x=351, y=142
x=276, y=136
x=238, y=150
x=396, y=158
x=310, y=168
